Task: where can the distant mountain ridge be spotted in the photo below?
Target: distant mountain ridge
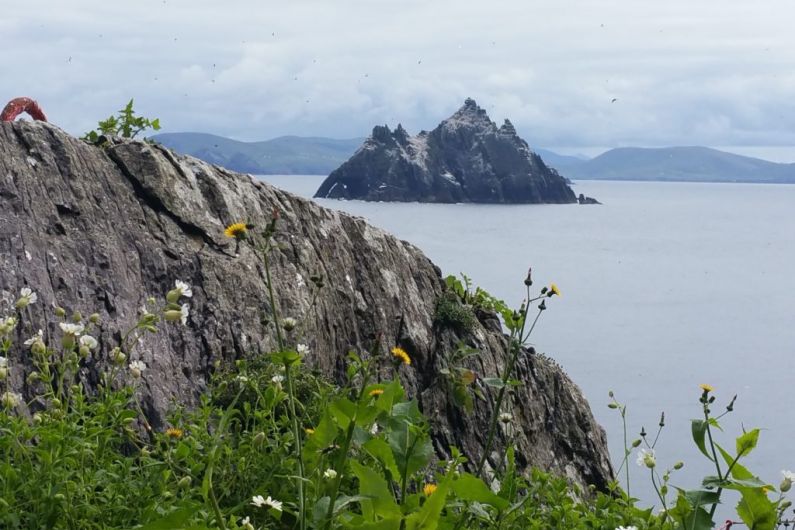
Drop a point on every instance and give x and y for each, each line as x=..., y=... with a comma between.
x=286, y=155
x=677, y=164
x=295, y=155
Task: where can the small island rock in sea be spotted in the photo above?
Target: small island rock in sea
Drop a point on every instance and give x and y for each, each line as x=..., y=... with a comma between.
x=466, y=158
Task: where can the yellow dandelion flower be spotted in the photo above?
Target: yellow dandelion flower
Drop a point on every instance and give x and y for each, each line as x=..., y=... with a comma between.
x=174, y=433
x=401, y=354
x=236, y=230
x=309, y=430
x=553, y=289
x=707, y=388
x=429, y=489
x=376, y=392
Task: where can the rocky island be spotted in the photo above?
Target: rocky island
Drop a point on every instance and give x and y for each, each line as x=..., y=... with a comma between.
x=466, y=158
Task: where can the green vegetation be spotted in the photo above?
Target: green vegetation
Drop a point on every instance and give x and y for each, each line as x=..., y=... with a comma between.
x=273, y=445
x=125, y=124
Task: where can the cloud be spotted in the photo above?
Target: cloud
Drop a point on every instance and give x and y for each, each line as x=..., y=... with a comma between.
x=715, y=73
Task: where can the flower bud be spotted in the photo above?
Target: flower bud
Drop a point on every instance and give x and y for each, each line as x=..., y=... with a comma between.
x=60, y=312
x=68, y=341
x=679, y=465
x=786, y=503
x=77, y=317
x=612, y=405
x=786, y=484
x=56, y=403
x=528, y=281
x=173, y=296
x=117, y=356
x=3, y=373
x=38, y=348
x=84, y=352
x=94, y=318
x=38, y=418
x=172, y=315
x=60, y=497
x=184, y=483
x=636, y=443
x=258, y=439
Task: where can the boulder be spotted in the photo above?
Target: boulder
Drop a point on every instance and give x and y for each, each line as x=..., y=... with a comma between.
x=99, y=229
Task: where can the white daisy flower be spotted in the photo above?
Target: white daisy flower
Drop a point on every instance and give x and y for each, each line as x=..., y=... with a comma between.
x=184, y=289
x=260, y=502
x=302, y=349
x=35, y=338
x=89, y=342
x=137, y=368
x=26, y=297
x=10, y=399
x=330, y=474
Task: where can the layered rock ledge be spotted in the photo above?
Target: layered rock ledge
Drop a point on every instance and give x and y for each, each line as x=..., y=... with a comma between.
x=466, y=158
x=100, y=229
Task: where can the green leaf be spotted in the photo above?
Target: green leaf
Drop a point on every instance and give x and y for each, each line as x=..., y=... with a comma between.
x=699, y=431
x=756, y=510
x=747, y=442
x=380, y=450
x=493, y=382
x=286, y=357
x=471, y=488
x=702, y=497
x=377, y=502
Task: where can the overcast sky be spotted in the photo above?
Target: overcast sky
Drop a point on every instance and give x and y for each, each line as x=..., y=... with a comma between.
x=682, y=72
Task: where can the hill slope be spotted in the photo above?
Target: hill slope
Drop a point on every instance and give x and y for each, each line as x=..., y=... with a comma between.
x=696, y=164
x=286, y=155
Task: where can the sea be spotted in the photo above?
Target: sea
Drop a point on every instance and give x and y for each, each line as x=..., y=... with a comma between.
x=665, y=286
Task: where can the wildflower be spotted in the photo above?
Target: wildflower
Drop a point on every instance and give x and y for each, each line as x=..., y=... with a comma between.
x=374, y=429
x=646, y=458
x=26, y=297
x=7, y=325
x=181, y=289
x=137, y=368
x=246, y=523
x=376, y=392
x=175, y=433
x=707, y=388
x=181, y=314
x=289, y=323
x=401, y=355
x=277, y=379
x=117, y=356
x=330, y=474
x=627, y=528
x=553, y=290
x=89, y=342
x=505, y=417
x=309, y=430
x=302, y=349
x=72, y=329
x=236, y=230
x=428, y=489
x=259, y=502
x=3, y=368
x=786, y=484
x=38, y=337
x=10, y=399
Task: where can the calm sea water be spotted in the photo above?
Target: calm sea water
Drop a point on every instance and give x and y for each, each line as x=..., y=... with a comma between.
x=665, y=286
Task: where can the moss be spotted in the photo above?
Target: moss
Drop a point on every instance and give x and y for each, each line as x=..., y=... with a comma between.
x=451, y=313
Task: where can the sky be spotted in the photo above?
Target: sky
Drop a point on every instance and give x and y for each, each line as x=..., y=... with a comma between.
x=579, y=76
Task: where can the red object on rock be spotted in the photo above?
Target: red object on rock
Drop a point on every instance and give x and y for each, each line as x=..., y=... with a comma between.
x=17, y=106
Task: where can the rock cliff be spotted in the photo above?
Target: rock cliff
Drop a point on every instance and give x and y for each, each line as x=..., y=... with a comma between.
x=100, y=229
x=467, y=158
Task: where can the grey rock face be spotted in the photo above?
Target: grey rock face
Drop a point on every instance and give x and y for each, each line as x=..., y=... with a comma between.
x=467, y=158
x=101, y=229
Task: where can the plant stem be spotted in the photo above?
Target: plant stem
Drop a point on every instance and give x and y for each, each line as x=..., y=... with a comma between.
x=269, y=285
x=298, y=448
x=517, y=348
x=626, y=447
